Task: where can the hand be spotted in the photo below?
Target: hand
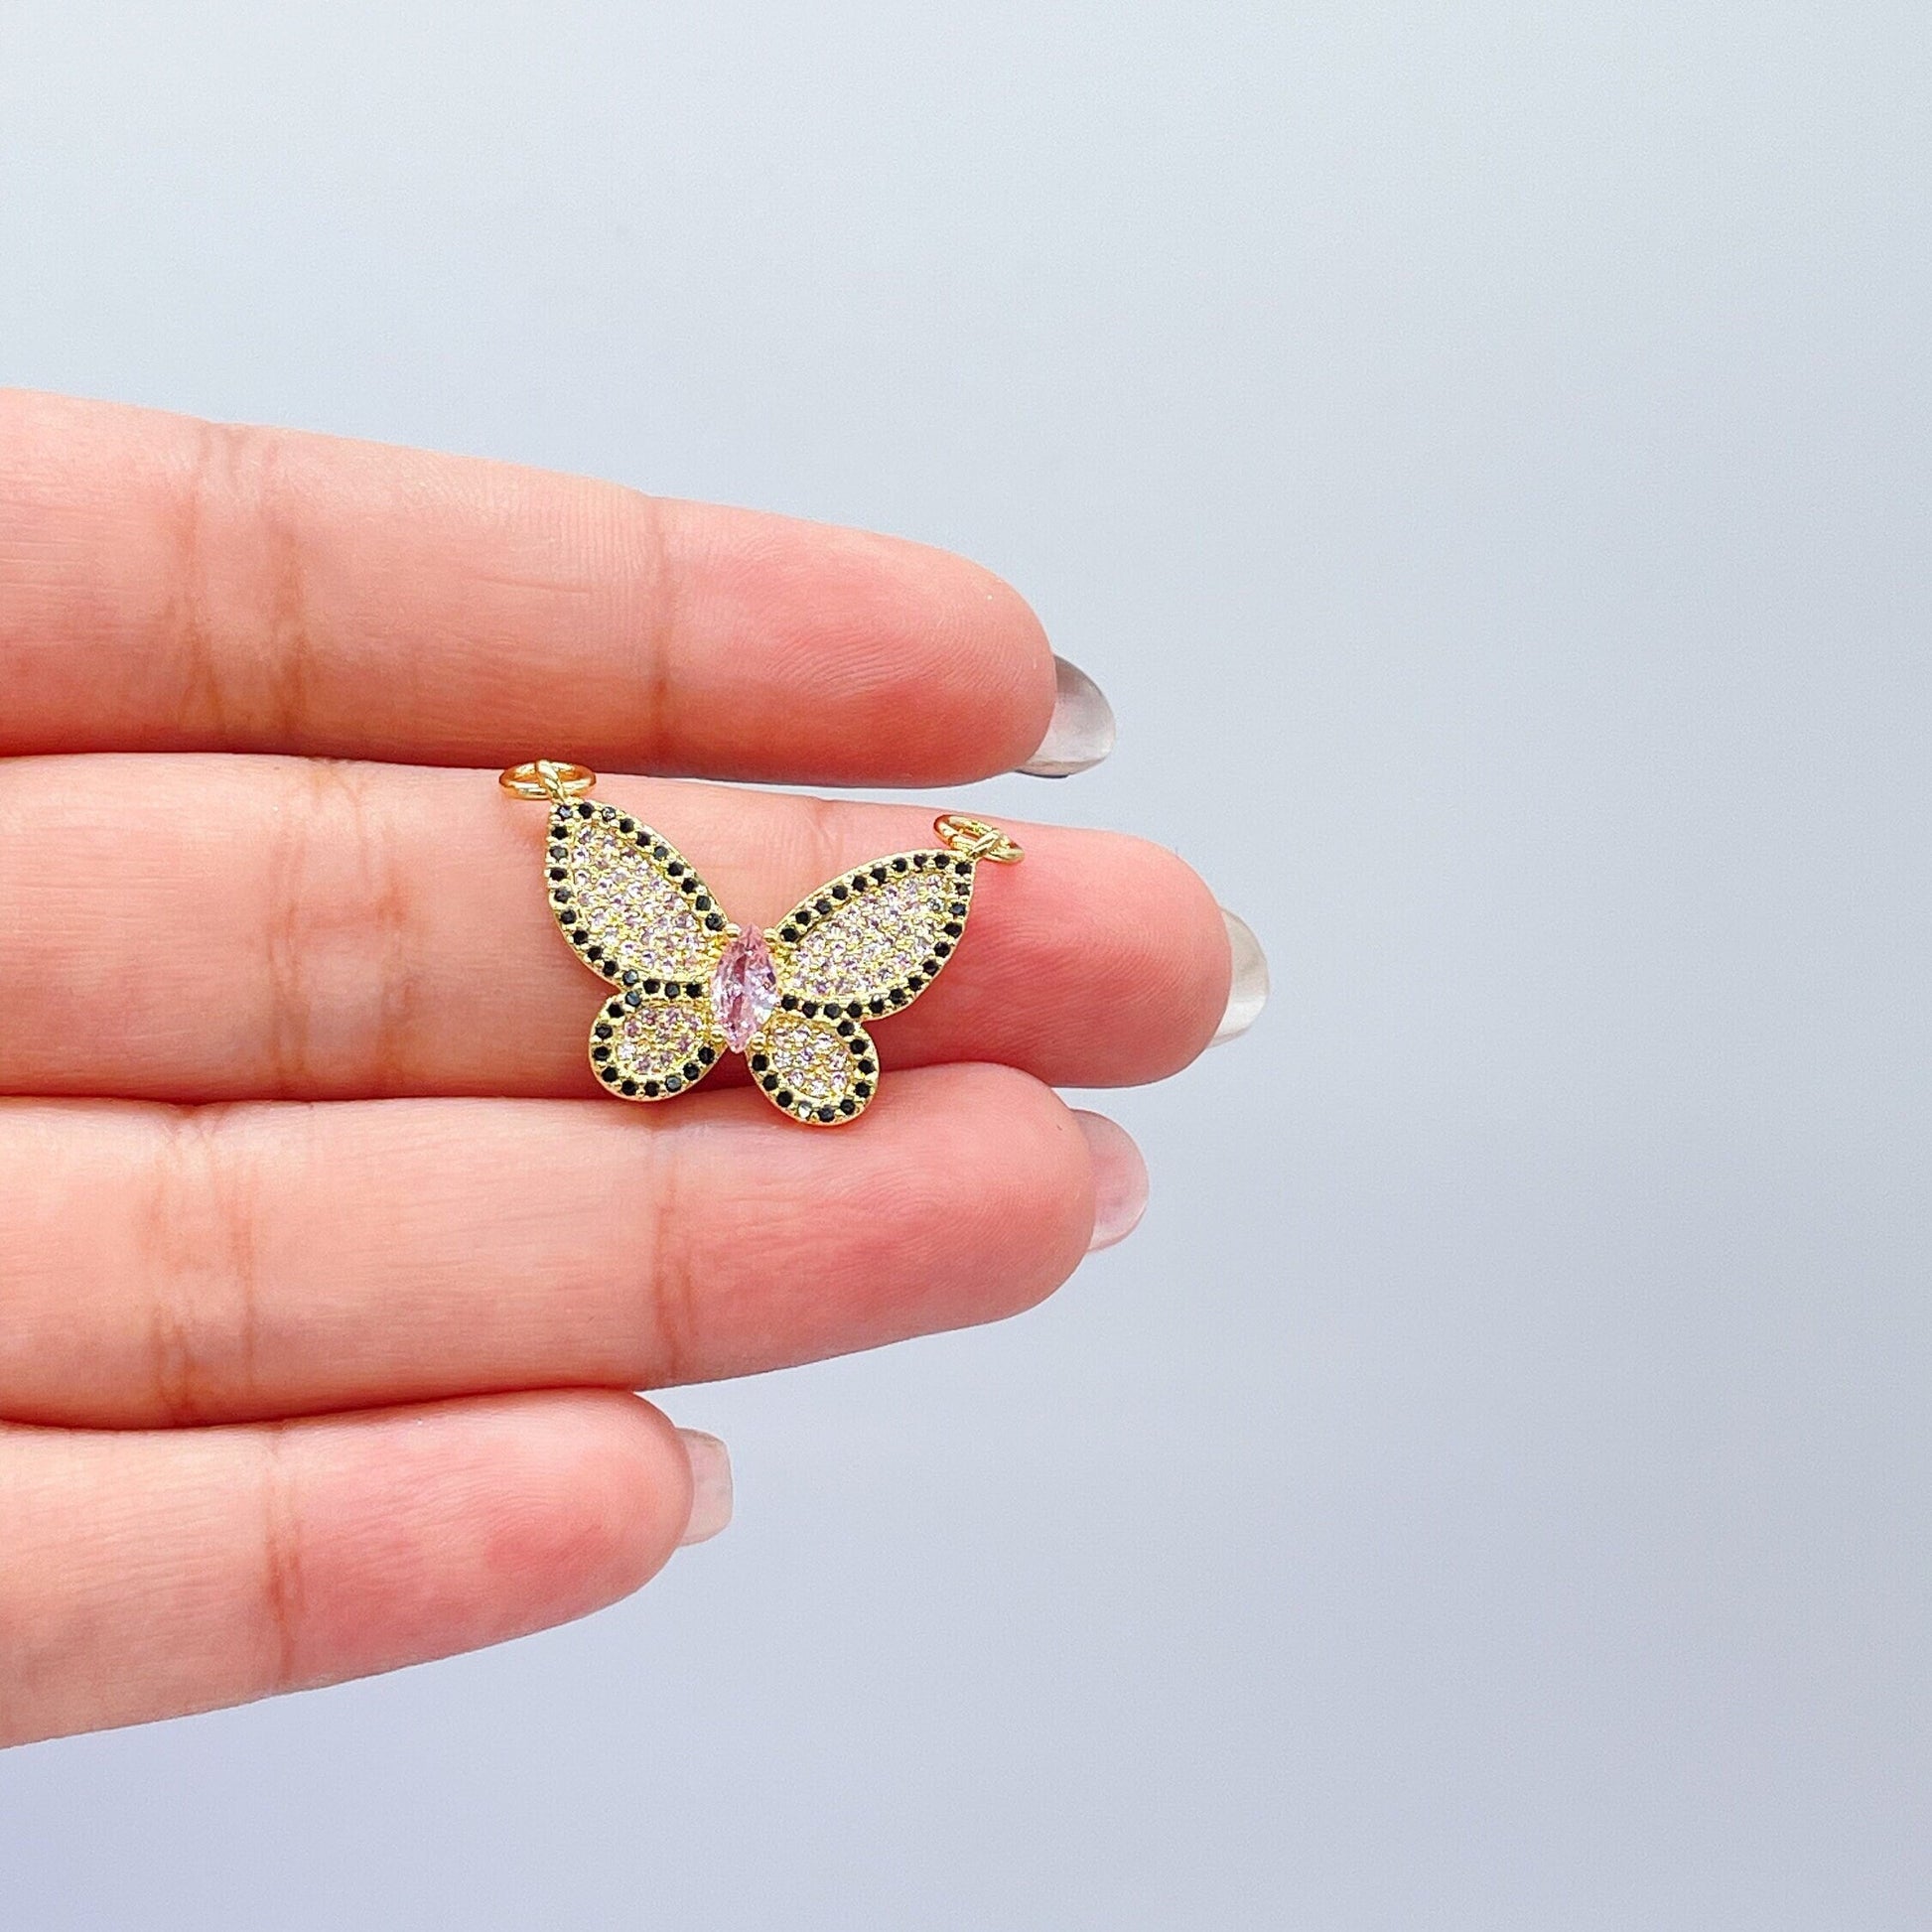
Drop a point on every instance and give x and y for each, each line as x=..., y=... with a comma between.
x=326, y=1269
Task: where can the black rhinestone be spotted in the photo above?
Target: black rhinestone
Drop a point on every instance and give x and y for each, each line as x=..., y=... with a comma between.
x=603, y=1029
x=770, y=1083
x=633, y=999
x=688, y=883
x=898, y=865
x=964, y=868
x=599, y=1053
x=606, y=1074
x=692, y=990
x=848, y=1106
x=957, y=908
x=876, y=1005
x=650, y=985
x=859, y=881
x=855, y=1009
x=627, y=825
x=809, y=1008
x=562, y=895
x=845, y=1028
x=856, y=1045
x=608, y=814
x=930, y=967
x=660, y=851
x=862, y=1088
x=943, y=948
x=787, y=932
x=581, y=938
x=706, y=1055
x=651, y=1090
x=584, y=811
x=557, y=872
x=559, y=852
x=702, y=903
x=868, y=1065
x=630, y=1086
x=826, y=1114
x=821, y=905
x=593, y=952
x=900, y=996
x=879, y=871
x=916, y=982
x=784, y=1098
x=760, y=1061
x=953, y=928
x=692, y=1069
x=789, y=1002
x=630, y=979
x=609, y=969
x=677, y=868
x=714, y=921
x=841, y=892
x=674, y=1086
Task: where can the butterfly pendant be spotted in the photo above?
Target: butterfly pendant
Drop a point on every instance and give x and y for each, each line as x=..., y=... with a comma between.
x=689, y=986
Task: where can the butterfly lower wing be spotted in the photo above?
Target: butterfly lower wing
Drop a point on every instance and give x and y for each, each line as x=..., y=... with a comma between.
x=822, y=1069
x=646, y=1048
x=630, y=904
x=872, y=941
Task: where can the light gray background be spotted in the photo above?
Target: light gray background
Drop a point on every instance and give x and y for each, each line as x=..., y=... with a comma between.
x=1482, y=450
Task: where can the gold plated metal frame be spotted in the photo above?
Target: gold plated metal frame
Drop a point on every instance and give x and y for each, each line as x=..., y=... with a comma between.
x=688, y=986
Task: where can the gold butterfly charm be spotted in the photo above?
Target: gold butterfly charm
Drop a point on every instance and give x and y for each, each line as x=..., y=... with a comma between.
x=690, y=985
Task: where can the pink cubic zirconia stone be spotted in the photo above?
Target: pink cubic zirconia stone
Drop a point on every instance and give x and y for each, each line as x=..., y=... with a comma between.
x=744, y=988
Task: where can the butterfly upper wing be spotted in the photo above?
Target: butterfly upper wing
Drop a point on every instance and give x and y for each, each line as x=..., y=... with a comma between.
x=635, y=911
x=873, y=940
x=860, y=947
x=628, y=901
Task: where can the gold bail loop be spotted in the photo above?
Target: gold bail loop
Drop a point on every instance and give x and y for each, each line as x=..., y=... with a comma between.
x=973, y=838
x=547, y=779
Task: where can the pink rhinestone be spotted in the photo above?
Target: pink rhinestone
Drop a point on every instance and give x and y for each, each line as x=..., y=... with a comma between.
x=744, y=988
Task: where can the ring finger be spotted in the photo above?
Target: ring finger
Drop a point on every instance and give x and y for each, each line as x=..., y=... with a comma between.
x=174, y=1266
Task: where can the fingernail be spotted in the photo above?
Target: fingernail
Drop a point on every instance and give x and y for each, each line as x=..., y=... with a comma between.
x=1081, y=732
x=711, y=1486
x=1248, y=990
x=1119, y=1180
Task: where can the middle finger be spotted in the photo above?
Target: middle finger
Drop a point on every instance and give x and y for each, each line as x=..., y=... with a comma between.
x=211, y=928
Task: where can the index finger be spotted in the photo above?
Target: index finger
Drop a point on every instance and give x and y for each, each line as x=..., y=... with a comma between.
x=174, y=584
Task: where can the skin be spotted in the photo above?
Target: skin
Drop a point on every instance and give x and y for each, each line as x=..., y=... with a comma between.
x=328, y=1271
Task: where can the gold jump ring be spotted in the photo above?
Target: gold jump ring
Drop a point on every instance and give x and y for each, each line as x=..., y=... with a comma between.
x=547, y=779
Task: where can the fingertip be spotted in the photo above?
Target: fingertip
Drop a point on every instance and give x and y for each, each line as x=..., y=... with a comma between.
x=995, y=684
x=1034, y=1208
x=1119, y=1180
x=580, y=1499
x=632, y=1485
x=1080, y=733
x=711, y=1486
x=1150, y=981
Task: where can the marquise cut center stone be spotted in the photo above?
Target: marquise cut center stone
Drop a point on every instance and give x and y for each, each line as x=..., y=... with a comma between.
x=744, y=988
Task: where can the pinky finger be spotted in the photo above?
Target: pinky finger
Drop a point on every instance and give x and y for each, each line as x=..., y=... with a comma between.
x=149, y=1575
